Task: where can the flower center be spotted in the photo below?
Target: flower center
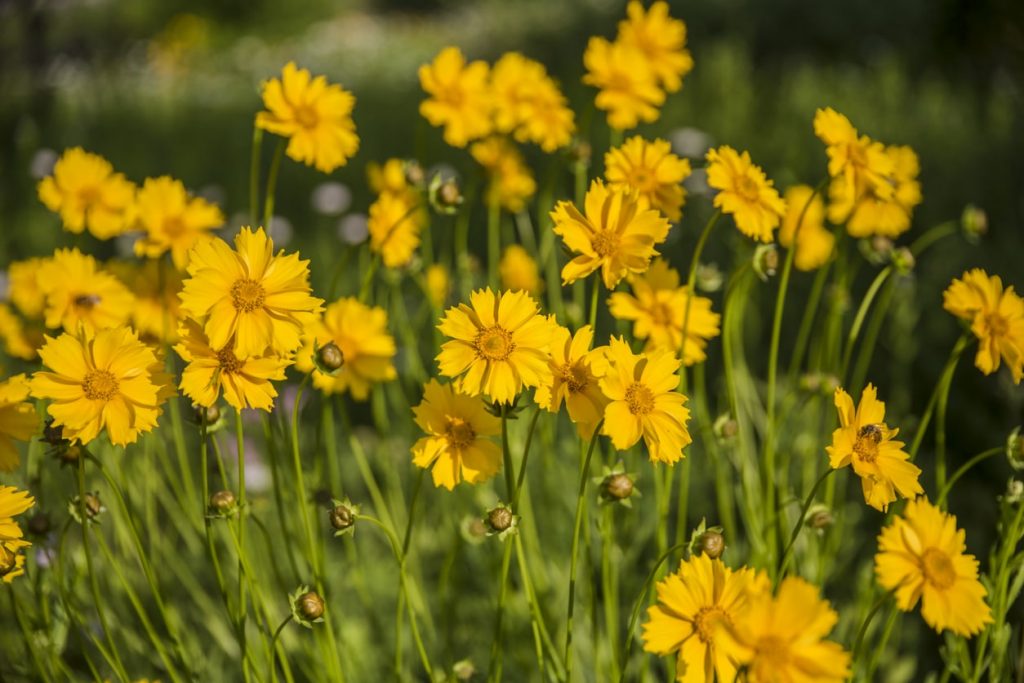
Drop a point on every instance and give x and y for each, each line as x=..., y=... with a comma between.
x=866, y=446
x=858, y=156
x=938, y=568
x=772, y=655
x=306, y=116
x=174, y=226
x=644, y=180
x=227, y=360
x=605, y=243
x=997, y=325
x=247, y=295
x=100, y=385
x=90, y=194
x=748, y=188
x=575, y=377
x=494, y=343
x=86, y=301
x=707, y=619
x=459, y=433
x=639, y=398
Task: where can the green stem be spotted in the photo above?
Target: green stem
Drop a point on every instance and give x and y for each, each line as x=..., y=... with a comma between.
x=277, y=634
x=26, y=635
x=858, y=320
x=268, y=201
x=494, y=668
x=243, y=609
x=254, y=173
x=963, y=469
x=863, y=630
x=807, y=322
x=594, y=296
x=784, y=561
x=691, y=281
x=933, y=235
x=364, y=289
x=493, y=242
x=945, y=380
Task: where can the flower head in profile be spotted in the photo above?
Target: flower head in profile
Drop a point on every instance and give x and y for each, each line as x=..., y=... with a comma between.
x=650, y=169
x=744, y=192
x=498, y=344
x=78, y=292
x=24, y=288
x=814, y=242
x=173, y=220
x=511, y=182
x=626, y=81
x=458, y=446
x=361, y=334
x=261, y=299
x=519, y=270
x=459, y=96
x=864, y=441
x=12, y=559
x=886, y=212
x=18, y=420
x=394, y=224
x=856, y=163
x=574, y=380
x=615, y=233
x=921, y=556
x=693, y=605
x=315, y=116
x=996, y=317
x=644, y=402
x=88, y=194
x=661, y=39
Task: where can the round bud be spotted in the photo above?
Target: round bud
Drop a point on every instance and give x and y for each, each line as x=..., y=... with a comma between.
x=464, y=670
x=448, y=194
x=974, y=221
x=414, y=174
x=580, y=153
x=93, y=506
x=882, y=246
x=499, y=519
x=903, y=260
x=766, y=261
x=819, y=518
x=1015, y=449
x=222, y=502
x=69, y=455
x=342, y=517
x=39, y=524
x=618, y=486
x=712, y=544
x=209, y=414
x=310, y=605
x=331, y=357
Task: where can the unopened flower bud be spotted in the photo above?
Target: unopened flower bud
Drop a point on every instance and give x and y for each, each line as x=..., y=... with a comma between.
x=93, y=505
x=207, y=415
x=444, y=194
x=974, y=222
x=709, y=277
x=766, y=261
x=463, y=670
x=310, y=605
x=903, y=260
x=500, y=519
x=580, y=153
x=712, y=544
x=342, y=517
x=1015, y=449
x=725, y=428
x=414, y=174
x=90, y=506
x=1014, y=492
x=331, y=357
x=819, y=518
x=223, y=503
x=617, y=486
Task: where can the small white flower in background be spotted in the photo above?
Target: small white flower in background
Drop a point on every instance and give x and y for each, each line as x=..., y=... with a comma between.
x=352, y=228
x=690, y=142
x=42, y=163
x=331, y=199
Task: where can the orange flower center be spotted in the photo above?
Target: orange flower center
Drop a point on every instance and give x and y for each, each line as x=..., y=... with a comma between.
x=639, y=398
x=227, y=360
x=100, y=385
x=494, y=343
x=748, y=188
x=706, y=620
x=644, y=179
x=247, y=295
x=605, y=243
x=459, y=433
x=997, y=324
x=866, y=445
x=174, y=226
x=306, y=116
x=86, y=301
x=937, y=568
x=90, y=194
x=575, y=377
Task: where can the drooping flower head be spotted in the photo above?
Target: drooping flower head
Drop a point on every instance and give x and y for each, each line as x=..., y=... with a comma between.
x=661, y=39
x=996, y=317
x=394, y=224
x=652, y=170
x=921, y=556
x=745, y=192
x=627, y=84
x=173, y=220
x=78, y=292
x=458, y=446
x=18, y=420
x=814, y=242
x=574, y=381
x=315, y=116
x=856, y=163
x=459, y=96
x=88, y=195
x=511, y=182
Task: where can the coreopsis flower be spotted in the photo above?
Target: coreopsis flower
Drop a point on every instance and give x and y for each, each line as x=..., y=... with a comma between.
x=361, y=334
x=814, y=242
x=782, y=637
x=315, y=116
x=887, y=213
x=528, y=104
x=459, y=446
x=12, y=559
x=745, y=192
x=79, y=292
x=389, y=177
x=511, y=182
x=260, y=299
x=460, y=98
x=88, y=195
x=644, y=402
x=661, y=39
x=499, y=344
x=627, y=83
x=856, y=163
x=394, y=224
x=18, y=420
x=173, y=220
x=864, y=441
x=518, y=270
x=245, y=382
x=652, y=170
x=19, y=340
x=548, y=121
x=921, y=556
x=617, y=234
x=156, y=314
x=996, y=317
x=693, y=605
x=574, y=380
x=107, y=379
x=24, y=288
x=437, y=284
x=657, y=307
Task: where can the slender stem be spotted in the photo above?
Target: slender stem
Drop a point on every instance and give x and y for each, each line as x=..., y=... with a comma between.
x=807, y=322
x=945, y=380
x=254, y=173
x=594, y=296
x=300, y=483
x=364, y=289
x=521, y=479
x=493, y=241
x=277, y=634
x=800, y=524
x=26, y=635
x=863, y=630
x=268, y=201
x=536, y=619
x=858, y=320
x=494, y=668
x=933, y=235
x=691, y=281
x=963, y=469
x=243, y=608
x=506, y=454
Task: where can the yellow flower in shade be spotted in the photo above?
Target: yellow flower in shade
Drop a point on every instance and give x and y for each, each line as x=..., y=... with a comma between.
x=460, y=98
x=814, y=242
x=574, y=380
x=644, y=402
x=616, y=234
x=921, y=556
x=459, y=447
x=885, y=213
x=693, y=605
x=744, y=192
x=19, y=340
x=657, y=308
x=78, y=292
x=156, y=314
x=389, y=177
x=996, y=316
x=394, y=225
x=87, y=194
x=661, y=39
x=104, y=380
x=652, y=170
x=12, y=560
x=856, y=163
x=628, y=86
x=361, y=333
x=511, y=182
x=864, y=441
x=173, y=221
x=782, y=637
x=548, y=121
x=24, y=288
x=518, y=270
x=246, y=383
x=18, y=420
x=315, y=116
x=528, y=104
x=437, y=284
x=261, y=299
x=499, y=344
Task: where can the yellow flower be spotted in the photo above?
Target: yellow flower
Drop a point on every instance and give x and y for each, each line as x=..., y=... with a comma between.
x=12, y=560
x=617, y=234
x=511, y=182
x=644, y=402
x=389, y=177
x=866, y=442
x=499, y=344
x=24, y=288
x=548, y=121
x=78, y=292
x=996, y=316
x=394, y=224
x=437, y=284
x=658, y=308
x=885, y=213
x=108, y=379
x=457, y=448
x=314, y=115
x=246, y=383
x=744, y=192
x=261, y=299
x=856, y=163
x=652, y=170
x=19, y=341
x=782, y=638
x=173, y=221
x=157, y=312
x=460, y=99
x=921, y=556
x=87, y=194
x=518, y=270
x=628, y=86
x=693, y=605
x=18, y=420
x=814, y=242
x=661, y=39
x=361, y=333
x=528, y=104
x=573, y=380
